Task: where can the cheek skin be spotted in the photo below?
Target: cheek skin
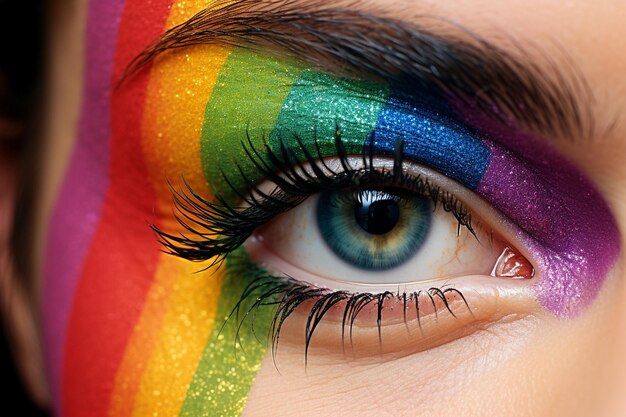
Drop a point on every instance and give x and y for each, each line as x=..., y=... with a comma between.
x=421, y=384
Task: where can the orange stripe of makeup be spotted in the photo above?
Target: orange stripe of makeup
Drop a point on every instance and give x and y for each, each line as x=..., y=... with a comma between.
x=142, y=341
x=178, y=316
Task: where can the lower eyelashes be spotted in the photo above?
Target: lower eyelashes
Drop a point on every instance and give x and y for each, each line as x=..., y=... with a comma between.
x=359, y=324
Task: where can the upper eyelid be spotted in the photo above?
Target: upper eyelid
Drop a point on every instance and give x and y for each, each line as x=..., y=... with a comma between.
x=311, y=105
x=206, y=221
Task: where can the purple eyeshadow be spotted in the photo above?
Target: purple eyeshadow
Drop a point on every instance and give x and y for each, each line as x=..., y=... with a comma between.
x=567, y=226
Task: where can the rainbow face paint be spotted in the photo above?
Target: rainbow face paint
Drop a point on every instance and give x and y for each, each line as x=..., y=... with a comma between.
x=132, y=331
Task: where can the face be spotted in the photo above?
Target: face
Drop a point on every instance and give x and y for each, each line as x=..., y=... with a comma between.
x=392, y=207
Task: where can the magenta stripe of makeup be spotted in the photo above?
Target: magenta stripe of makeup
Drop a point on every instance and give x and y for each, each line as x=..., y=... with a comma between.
x=550, y=198
x=77, y=211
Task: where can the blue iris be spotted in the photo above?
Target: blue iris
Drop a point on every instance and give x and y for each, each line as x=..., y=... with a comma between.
x=374, y=229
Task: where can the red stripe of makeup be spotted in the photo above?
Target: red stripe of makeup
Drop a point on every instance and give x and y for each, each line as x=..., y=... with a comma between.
x=122, y=259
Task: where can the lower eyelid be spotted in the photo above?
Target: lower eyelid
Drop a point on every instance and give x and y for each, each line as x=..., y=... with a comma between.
x=488, y=302
x=259, y=254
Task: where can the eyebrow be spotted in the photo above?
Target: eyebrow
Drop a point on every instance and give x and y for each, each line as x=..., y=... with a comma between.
x=526, y=89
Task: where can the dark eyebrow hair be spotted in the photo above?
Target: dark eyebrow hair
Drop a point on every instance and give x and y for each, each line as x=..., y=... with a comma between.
x=522, y=89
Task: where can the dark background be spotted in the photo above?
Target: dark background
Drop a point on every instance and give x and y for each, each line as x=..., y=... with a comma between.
x=21, y=52
x=15, y=401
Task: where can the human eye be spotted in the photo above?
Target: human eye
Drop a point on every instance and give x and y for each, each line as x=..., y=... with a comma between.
x=371, y=227
x=379, y=242
x=289, y=150
x=294, y=223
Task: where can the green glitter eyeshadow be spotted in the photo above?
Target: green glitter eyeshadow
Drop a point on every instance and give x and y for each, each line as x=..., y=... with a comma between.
x=227, y=369
x=318, y=104
x=272, y=101
x=247, y=99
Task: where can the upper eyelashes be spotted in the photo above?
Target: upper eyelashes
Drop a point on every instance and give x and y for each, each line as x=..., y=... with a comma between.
x=217, y=228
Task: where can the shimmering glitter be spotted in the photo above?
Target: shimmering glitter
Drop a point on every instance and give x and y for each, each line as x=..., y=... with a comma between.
x=181, y=84
x=432, y=140
x=564, y=221
x=247, y=100
x=190, y=318
x=230, y=361
x=318, y=105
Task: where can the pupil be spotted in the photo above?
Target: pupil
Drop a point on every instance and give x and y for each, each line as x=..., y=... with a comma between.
x=377, y=217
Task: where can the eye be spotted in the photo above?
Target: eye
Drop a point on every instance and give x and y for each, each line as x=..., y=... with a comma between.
x=386, y=237
x=334, y=243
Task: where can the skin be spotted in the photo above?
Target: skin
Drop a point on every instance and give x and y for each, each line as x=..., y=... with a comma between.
x=527, y=363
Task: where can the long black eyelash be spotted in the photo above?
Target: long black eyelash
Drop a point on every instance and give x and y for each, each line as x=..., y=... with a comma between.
x=286, y=294
x=216, y=228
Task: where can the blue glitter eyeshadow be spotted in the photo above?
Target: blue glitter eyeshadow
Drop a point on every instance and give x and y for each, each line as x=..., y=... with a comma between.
x=430, y=139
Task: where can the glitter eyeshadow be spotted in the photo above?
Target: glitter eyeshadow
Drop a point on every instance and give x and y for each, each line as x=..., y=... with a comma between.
x=233, y=354
x=278, y=107
x=246, y=100
x=319, y=104
x=565, y=224
x=560, y=215
x=430, y=139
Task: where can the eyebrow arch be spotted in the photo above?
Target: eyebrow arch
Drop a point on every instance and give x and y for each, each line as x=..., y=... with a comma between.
x=526, y=90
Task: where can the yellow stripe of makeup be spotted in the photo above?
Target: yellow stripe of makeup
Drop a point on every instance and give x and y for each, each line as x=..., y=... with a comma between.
x=186, y=328
x=181, y=84
x=180, y=307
